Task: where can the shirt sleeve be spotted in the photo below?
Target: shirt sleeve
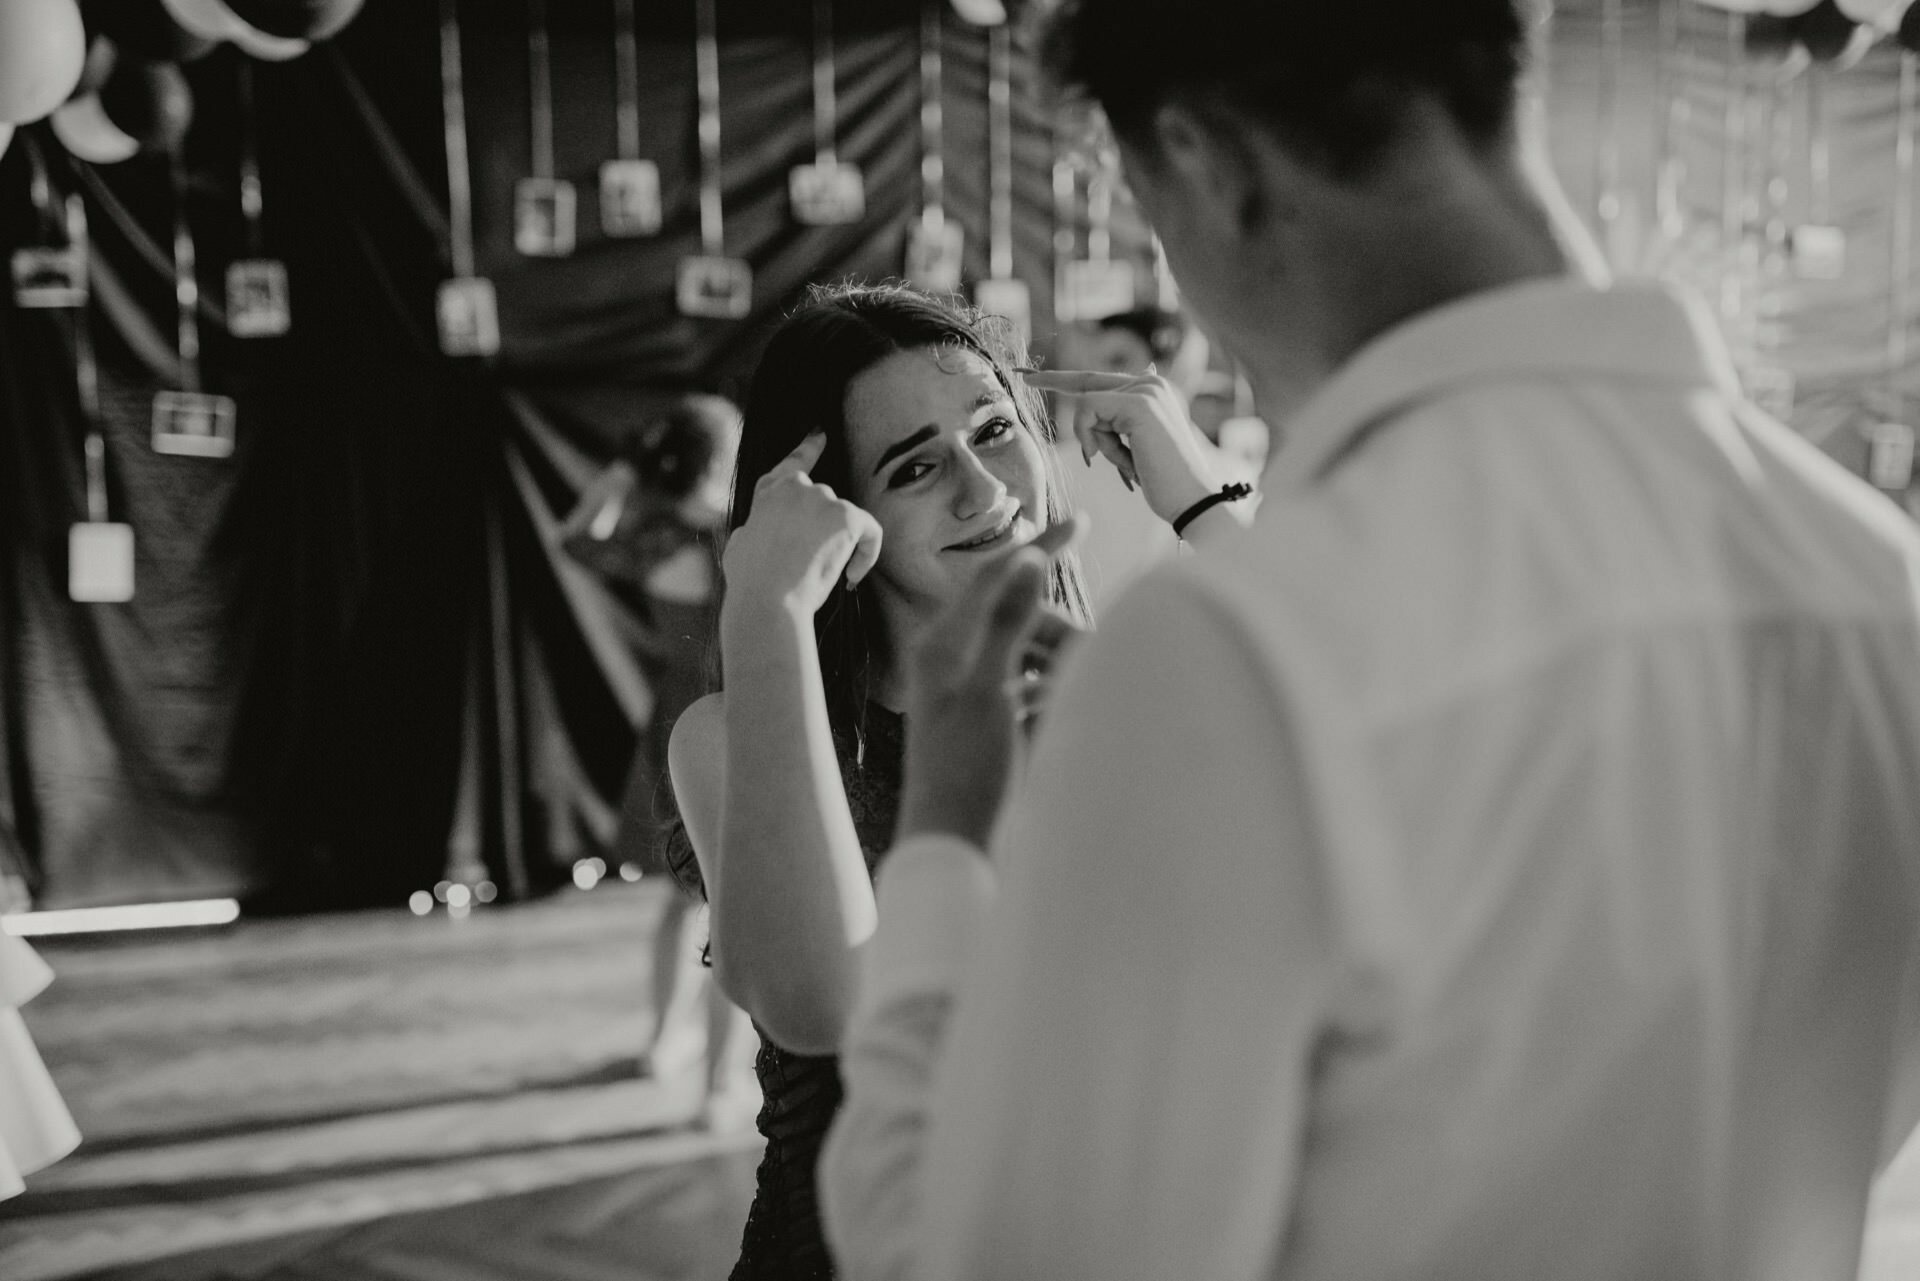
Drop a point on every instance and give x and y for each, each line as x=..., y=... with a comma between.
x=1122, y=1087
x=933, y=895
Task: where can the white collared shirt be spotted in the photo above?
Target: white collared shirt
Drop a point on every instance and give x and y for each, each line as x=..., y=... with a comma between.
x=1501, y=862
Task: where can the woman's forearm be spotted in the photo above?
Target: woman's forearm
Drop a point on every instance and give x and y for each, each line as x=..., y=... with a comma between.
x=792, y=902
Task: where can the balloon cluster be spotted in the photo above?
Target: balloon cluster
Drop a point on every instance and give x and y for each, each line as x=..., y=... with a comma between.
x=1825, y=30
x=107, y=71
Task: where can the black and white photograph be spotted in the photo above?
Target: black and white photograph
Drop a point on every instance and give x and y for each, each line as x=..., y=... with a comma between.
x=960, y=640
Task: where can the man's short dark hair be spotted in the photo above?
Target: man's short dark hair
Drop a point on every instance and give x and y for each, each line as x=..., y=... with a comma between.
x=1330, y=76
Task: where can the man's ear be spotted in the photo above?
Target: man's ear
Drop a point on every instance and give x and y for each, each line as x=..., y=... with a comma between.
x=1208, y=151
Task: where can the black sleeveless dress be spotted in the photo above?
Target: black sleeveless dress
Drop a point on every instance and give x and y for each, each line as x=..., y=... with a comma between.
x=783, y=1240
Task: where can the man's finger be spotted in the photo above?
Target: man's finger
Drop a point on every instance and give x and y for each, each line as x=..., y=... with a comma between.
x=1012, y=612
x=1059, y=536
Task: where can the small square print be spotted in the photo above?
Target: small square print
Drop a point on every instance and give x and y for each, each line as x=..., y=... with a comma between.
x=469, y=317
x=1009, y=299
x=934, y=255
x=714, y=288
x=193, y=424
x=45, y=276
x=826, y=195
x=630, y=198
x=543, y=217
x=257, y=302
x=1890, y=456
x=100, y=563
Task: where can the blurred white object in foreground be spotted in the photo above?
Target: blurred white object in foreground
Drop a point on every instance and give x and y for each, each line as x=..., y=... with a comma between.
x=35, y=1128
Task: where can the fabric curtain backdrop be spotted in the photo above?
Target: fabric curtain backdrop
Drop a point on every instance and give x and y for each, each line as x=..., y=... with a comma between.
x=355, y=659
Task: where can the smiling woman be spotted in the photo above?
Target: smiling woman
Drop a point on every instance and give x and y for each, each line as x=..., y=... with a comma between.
x=892, y=451
x=888, y=453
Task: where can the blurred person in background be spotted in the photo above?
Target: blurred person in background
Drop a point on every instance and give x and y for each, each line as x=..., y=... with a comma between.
x=650, y=524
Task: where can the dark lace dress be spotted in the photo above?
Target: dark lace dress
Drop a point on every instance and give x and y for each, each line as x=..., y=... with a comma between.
x=783, y=1240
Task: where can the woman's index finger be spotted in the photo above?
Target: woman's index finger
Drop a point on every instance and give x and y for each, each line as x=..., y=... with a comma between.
x=1076, y=382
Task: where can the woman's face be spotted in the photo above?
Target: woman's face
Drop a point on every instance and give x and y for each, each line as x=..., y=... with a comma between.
x=939, y=458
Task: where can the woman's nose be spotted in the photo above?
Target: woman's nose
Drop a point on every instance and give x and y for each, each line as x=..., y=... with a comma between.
x=980, y=490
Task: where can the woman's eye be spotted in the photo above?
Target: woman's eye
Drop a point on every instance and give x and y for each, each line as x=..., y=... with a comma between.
x=994, y=429
x=907, y=474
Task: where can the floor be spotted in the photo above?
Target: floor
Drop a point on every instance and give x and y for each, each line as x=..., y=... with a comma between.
x=389, y=1098
x=379, y=1095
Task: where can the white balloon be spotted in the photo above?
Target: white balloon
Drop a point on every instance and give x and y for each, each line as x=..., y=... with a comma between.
x=84, y=128
x=1883, y=15
x=267, y=48
x=212, y=20
x=43, y=49
x=208, y=19
x=981, y=13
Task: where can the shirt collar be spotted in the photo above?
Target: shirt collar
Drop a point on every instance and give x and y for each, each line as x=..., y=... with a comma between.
x=1644, y=331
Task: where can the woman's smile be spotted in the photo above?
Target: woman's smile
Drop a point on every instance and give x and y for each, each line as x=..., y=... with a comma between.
x=996, y=534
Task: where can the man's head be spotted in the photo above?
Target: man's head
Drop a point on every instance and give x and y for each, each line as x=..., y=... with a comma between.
x=1272, y=141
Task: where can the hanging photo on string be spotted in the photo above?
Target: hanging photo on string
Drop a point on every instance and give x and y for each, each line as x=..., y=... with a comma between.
x=189, y=421
x=714, y=288
x=630, y=198
x=543, y=206
x=53, y=273
x=1002, y=293
x=629, y=186
x=543, y=217
x=193, y=424
x=935, y=255
x=827, y=192
x=49, y=276
x=258, y=304
x=257, y=300
x=934, y=242
x=1010, y=300
x=1890, y=456
x=711, y=285
x=100, y=563
x=468, y=316
x=1818, y=246
x=99, y=549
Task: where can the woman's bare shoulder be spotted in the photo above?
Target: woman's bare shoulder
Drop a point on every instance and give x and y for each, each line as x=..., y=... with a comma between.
x=698, y=743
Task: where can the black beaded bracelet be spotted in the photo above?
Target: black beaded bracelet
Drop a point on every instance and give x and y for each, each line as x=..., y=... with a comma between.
x=1225, y=494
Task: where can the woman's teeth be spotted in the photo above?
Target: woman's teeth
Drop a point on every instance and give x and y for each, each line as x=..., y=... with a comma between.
x=993, y=535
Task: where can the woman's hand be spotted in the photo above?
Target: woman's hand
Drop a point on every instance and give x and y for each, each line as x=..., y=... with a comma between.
x=799, y=540
x=1140, y=424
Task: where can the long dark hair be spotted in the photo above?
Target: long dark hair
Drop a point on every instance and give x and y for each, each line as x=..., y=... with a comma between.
x=837, y=334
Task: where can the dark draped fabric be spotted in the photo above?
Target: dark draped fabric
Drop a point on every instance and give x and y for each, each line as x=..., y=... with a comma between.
x=354, y=658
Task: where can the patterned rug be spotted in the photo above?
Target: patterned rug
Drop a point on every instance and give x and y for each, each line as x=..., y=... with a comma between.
x=302, y=1076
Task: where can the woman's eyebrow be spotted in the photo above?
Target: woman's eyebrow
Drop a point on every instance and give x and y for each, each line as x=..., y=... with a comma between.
x=905, y=444
x=986, y=400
